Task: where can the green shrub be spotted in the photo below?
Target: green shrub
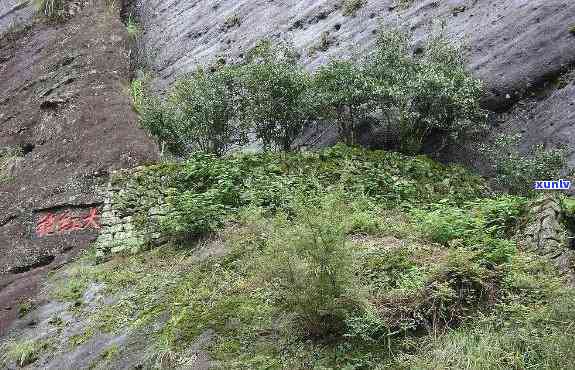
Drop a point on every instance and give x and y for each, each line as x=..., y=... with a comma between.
x=205, y=106
x=276, y=101
x=132, y=27
x=200, y=114
x=406, y=294
x=137, y=91
x=517, y=172
x=25, y=352
x=527, y=329
x=496, y=217
x=431, y=95
x=311, y=263
x=417, y=98
x=342, y=91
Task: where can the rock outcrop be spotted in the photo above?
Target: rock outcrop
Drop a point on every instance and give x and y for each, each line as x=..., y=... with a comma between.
x=65, y=112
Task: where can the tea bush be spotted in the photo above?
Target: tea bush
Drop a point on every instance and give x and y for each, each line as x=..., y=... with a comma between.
x=417, y=97
x=224, y=185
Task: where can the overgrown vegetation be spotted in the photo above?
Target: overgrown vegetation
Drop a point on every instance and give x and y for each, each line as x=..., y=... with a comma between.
x=418, y=97
x=517, y=172
x=208, y=189
x=25, y=352
x=344, y=258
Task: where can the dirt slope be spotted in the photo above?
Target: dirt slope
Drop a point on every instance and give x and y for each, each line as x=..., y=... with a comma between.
x=64, y=108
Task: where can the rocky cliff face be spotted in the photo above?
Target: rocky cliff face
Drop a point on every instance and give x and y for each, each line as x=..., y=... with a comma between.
x=522, y=49
x=67, y=121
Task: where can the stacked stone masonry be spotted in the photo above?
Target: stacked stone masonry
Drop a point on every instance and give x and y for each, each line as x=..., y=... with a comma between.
x=546, y=235
x=130, y=203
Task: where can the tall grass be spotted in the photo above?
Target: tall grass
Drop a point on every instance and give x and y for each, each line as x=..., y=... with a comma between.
x=51, y=9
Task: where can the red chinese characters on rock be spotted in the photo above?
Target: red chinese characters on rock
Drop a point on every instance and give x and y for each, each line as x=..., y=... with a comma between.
x=50, y=223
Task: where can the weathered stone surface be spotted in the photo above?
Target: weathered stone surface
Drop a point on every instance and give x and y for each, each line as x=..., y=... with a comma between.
x=15, y=12
x=546, y=235
x=120, y=234
x=68, y=148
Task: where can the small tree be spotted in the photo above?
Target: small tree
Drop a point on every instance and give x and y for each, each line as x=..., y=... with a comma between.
x=204, y=110
x=312, y=264
x=276, y=99
x=157, y=120
x=431, y=94
x=344, y=92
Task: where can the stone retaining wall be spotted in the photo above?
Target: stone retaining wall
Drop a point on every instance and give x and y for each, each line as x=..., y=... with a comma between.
x=134, y=205
x=546, y=235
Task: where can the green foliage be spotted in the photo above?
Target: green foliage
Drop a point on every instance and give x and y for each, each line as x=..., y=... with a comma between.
x=199, y=113
x=276, y=100
x=342, y=89
x=205, y=106
x=481, y=225
x=529, y=328
x=209, y=189
x=132, y=27
x=350, y=7
x=415, y=97
x=495, y=217
x=137, y=92
x=26, y=352
x=52, y=9
x=311, y=265
x=517, y=172
x=572, y=30
x=429, y=95
x=407, y=293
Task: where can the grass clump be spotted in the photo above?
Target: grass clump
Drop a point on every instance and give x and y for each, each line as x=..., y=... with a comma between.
x=232, y=21
x=132, y=27
x=52, y=9
x=350, y=7
x=25, y=352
